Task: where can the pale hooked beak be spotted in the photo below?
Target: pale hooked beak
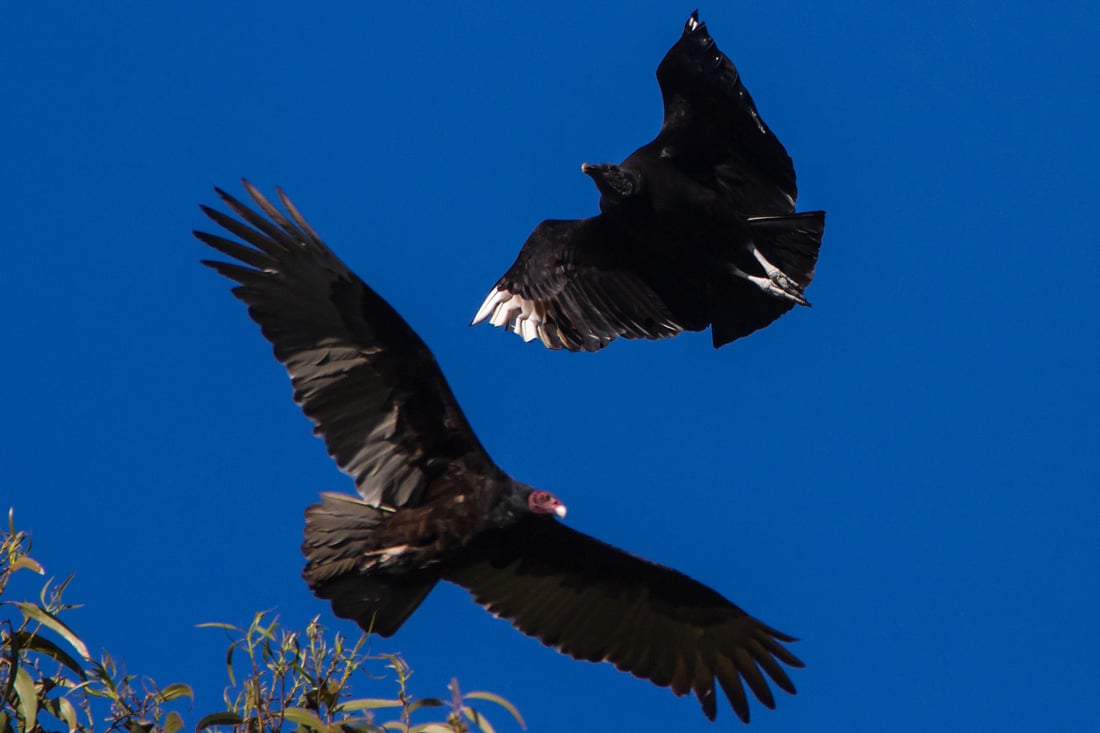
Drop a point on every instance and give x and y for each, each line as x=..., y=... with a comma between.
x=560, y=510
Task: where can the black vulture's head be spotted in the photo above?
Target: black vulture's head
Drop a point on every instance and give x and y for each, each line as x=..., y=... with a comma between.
x=615, y=183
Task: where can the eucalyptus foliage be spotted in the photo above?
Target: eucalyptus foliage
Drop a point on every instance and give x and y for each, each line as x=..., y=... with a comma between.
x=278, y=679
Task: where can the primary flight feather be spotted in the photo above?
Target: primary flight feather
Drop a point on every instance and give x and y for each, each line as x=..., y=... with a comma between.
x=432, y=504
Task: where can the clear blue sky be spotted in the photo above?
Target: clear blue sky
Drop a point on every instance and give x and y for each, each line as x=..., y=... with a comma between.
x=904, y=476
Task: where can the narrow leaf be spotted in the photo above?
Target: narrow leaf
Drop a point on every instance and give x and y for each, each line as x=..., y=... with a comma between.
x=173, y=723
x=42, y=645
x=499, y=701
x=67, y=713
x=426, y=702
x=431, y=728
x=229, y=663
x=216, y=625
x=304, y=717
x=29, y=564
x=366, y=704
x=477, y=719
x=27, y=707
x=223, y=718
x=175, y=691
x=31, y=611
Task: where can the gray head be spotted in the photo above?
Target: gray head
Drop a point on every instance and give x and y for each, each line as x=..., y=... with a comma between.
x=615, y=183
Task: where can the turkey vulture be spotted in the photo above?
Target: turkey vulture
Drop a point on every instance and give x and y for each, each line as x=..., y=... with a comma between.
x=695, y=228
x=433, y=506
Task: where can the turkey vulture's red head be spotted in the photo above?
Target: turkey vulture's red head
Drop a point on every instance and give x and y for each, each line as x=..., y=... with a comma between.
x=543, y=502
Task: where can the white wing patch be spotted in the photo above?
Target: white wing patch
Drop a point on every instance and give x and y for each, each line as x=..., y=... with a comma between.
x=522, y=316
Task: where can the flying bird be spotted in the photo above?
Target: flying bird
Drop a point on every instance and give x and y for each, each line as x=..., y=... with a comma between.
x=696, y=228
x=432, y=505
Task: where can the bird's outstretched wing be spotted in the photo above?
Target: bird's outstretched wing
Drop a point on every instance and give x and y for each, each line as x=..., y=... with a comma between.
x=714, y=132
x=369, y=384
x=573, y=286
x=597, y=603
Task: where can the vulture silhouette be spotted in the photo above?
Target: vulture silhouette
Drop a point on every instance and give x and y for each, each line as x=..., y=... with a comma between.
x=696, y=228
x=433, y=505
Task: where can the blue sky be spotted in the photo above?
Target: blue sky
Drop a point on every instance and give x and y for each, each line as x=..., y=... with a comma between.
x=904, y=476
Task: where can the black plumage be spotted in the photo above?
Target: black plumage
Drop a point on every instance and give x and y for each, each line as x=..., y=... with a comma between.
x=433, y=506
x=696, y=228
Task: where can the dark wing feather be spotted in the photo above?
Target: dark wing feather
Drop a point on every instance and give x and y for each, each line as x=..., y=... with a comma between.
x=713, y=130
x=595, y=602
x=370, y=385
x=574, y=286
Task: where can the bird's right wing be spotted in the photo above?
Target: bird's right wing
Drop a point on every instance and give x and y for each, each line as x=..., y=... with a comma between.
x=595, y=602
x=713, y=130
x=370, y=385
x=572, y=287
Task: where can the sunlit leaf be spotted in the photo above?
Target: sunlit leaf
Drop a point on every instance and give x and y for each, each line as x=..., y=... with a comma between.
x=477, y=719
x=431, y=728
x=499, y=701
x=175, y=691
x=366, y=704
x=42, y=645
x=173, y=723
x=67, y=713
x=216, y=625
x=29, y=564
x=304, y=717
x=31, y=611
x=223, y=718
x=27, y=705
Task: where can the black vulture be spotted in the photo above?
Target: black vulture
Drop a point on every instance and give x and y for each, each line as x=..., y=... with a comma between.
x=434, y=506
x=696, y=228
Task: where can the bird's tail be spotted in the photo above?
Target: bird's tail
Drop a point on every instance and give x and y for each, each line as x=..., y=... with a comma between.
x=343, y=565
x=790, y=242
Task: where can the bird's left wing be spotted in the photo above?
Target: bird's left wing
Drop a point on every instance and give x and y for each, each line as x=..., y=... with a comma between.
x=597, y=603
x=370, y=385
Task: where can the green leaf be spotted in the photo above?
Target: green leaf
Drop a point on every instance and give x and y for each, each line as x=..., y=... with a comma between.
x=173, y=723
x=366, y=704
x=431, y=728
x=426, y=702
x=216, y=625
x=304, y=717
x=223, y=718
x=175, y=691
x=42, y=645
x=229, y=663
x=27, y=707
x=67, y=713
x=29, y=564
x=31, y=611
x=477, y=719
x=499, y=701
